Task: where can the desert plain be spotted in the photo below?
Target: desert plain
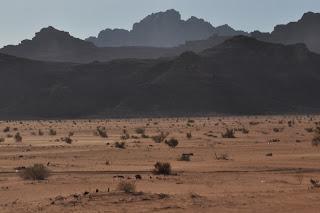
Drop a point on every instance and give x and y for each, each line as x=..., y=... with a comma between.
x=266, y=167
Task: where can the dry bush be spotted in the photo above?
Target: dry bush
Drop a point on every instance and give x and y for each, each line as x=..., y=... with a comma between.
x=7, y=129
x=52, y=132
x=68, y=140
x=189, y=135
x=125, y=136
x=40, y=132
x=102, y=132
x=172, y=142
x=18, y=137
x=2, y=140
x=316, y=140
x=185, y=157
x=145, y=136
x=191, y=121
x=160, y=138
x=127, y=186
x=161, y=168
x=309, y=130
x=35, y=172
x=276, y=130
x=140, y=131
x=120, y=145
x=228, y=134
x=254, y=123
x=245, y=131
x=223, y=156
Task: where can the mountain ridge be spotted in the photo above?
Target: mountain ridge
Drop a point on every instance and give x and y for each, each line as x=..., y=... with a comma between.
x=305, y=30
x=162, y=29
x=240, y=76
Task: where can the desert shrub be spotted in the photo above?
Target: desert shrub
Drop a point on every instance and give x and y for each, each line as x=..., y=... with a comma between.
x=223, y=156
x=35, y=172
x=172, y=142
x=127, y=186
x=2, y=140
x=161, y=168
x=253, y=123
x=18, y=137
x=276, y=130
x=7, y=129
x=160, y=138
x=68, y=140
x=185, y=157
x=229, y=134
x=120, y=145
x=245, y=131
x=71, y=134
x=191, y=121
x=40, y=132
x=140, y=131
x=102, y=132
x=125, y=136
x=189, y=135
x=316, y=140
x=52, y=132
x=310, y=130
x=145, y=136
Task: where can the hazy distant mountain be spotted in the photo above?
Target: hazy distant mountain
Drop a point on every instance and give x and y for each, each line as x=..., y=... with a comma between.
x=226, y=30
x=51, y=44
x=306, y=30
x=241, y=75
x=163, y=29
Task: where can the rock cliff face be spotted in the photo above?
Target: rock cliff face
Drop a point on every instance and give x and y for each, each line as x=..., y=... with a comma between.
x=163, y=29
x=306, y=30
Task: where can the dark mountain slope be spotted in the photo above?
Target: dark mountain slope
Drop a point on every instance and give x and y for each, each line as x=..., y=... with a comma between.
x=240, y=76
x=306, y=30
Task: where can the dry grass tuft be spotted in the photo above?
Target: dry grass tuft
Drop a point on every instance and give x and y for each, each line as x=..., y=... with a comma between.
x=35, y=172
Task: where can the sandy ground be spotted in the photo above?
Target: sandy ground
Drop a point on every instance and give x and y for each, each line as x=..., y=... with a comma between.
x=247, y=181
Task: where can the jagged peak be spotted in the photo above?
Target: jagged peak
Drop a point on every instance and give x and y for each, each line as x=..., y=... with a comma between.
x=171, y=13
x=310, y=15
x=51, y=31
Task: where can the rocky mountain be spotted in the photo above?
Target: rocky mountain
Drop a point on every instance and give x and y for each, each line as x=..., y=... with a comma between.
x=240, y=76
x=163, y=29
x=51, y=44
x=306, y=30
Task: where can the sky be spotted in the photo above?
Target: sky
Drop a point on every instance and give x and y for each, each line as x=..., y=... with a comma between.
x=20, y=19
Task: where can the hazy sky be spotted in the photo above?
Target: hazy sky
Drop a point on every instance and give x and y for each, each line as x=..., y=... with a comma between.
x=20, y=19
